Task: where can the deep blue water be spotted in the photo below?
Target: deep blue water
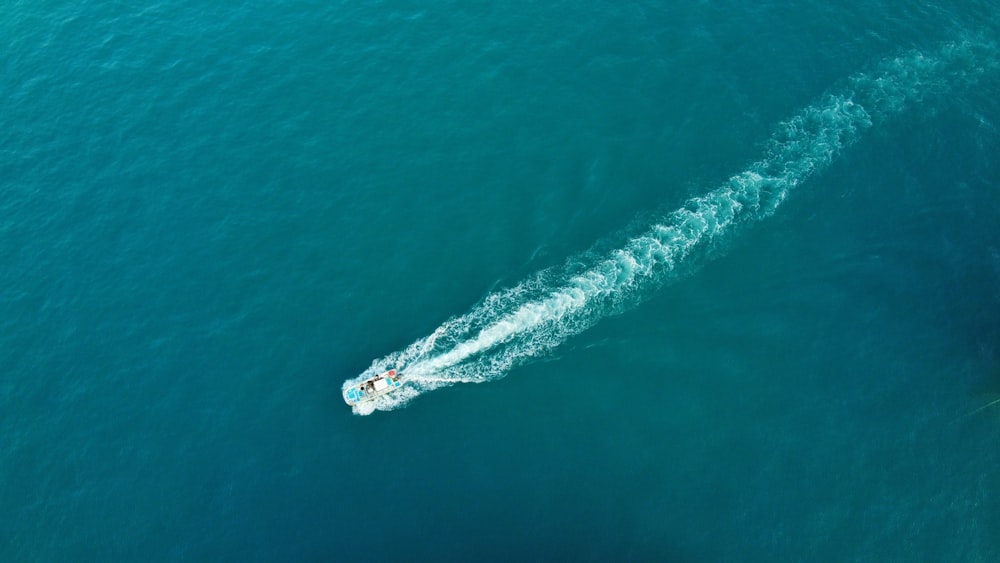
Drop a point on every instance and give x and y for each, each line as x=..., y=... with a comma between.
x=716, y=281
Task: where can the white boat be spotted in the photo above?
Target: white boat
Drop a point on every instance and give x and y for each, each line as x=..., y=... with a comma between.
x=373, y=387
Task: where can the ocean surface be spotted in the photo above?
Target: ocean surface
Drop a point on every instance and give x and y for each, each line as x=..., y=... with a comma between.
x=667, y=281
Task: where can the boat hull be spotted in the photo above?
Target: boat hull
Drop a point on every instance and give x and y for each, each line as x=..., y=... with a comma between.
x=373, y=388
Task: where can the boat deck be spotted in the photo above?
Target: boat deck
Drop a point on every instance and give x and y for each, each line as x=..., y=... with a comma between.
x=369, y=389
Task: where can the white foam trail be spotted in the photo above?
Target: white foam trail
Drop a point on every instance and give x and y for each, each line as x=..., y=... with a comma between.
x=514, y=325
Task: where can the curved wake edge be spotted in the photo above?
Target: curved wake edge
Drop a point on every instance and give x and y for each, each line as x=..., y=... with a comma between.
x=511, y=326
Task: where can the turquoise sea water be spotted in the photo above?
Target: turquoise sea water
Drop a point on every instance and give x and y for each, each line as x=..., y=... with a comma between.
x=716, y=281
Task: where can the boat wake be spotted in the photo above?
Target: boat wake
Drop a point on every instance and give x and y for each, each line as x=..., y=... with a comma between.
x=514, y=325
